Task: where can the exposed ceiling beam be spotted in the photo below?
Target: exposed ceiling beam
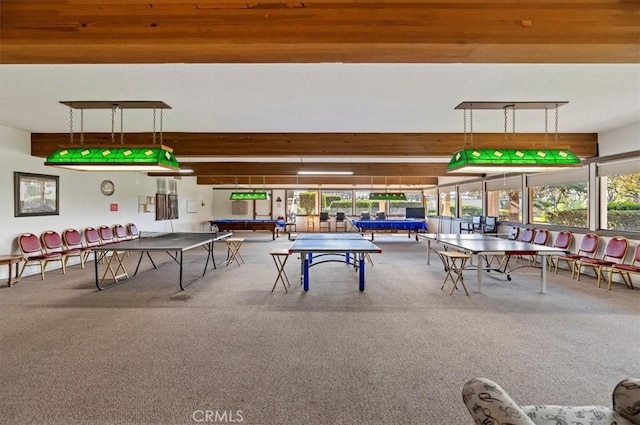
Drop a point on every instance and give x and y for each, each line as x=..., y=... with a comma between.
x=350, y=31
x=298, y=145
x=271, y=181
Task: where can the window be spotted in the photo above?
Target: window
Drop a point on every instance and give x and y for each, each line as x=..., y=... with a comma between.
x=505, y=204
x=470, y=199
x=447, y=202
x=399, y=208
x=620, y=195
x=504, y=198
x=363, y=204
x=301, y=202
x=337, y=200
x=431, y=201
x=560, y=198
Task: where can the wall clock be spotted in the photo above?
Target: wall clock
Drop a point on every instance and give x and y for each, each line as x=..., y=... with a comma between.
x=107, y=188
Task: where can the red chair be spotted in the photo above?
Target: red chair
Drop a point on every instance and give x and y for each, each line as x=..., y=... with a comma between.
x=527, y=236
x=625, y=270
x=132, y=231
x=541, y=238
x=588, y=249
x=106, y=235
x=73, y=243
x=32, y=252
x=119, y=233
x=52, y=243
x=614, y=253
x=91, y=237
x=562, y=241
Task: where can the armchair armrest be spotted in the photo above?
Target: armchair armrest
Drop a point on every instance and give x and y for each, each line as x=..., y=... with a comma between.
x=626, y=399
x=489, y=404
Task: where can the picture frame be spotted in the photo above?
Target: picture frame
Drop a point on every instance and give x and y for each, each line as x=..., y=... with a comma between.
x=36, y=194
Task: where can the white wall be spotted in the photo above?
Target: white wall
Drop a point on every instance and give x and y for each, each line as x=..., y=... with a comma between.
x=81, y=202
x=619, y=140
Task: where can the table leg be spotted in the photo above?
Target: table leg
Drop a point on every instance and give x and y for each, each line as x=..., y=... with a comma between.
x=428, y=252
x=305, y=274
x=543, y=283
x=478, y=273
x=361, y=260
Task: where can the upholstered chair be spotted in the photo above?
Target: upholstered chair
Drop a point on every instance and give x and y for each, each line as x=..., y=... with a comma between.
x=489, y=404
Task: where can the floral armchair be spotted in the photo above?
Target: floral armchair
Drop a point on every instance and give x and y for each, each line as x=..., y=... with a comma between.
x=489, y=404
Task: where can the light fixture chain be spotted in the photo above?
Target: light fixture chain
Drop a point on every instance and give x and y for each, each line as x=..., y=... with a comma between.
x=464, y=125
x=154, y=125
x=81, y=127
x=556, y=132
x=161, y=131
x=71, y=126
x=121, y=125
x=546, y=126
x=471, y=125
x=113, y=124
x=505, y=125
x=513, y=125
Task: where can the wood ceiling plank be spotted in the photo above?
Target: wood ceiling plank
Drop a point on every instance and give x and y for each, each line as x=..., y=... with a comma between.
x=85, y=31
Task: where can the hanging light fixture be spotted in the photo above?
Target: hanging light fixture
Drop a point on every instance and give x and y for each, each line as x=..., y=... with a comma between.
x=247, y=196
x=386, y=196
x=506, y=159
x=116, y=157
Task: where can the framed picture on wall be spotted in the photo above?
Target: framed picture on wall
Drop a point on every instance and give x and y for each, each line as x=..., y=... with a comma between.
x=35, y=194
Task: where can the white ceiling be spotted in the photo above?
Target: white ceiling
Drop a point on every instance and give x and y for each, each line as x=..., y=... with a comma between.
x=320, y=97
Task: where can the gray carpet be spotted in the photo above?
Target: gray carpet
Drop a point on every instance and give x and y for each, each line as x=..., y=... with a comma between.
x=145, y=352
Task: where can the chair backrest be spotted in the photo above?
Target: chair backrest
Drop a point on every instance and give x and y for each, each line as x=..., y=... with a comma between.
x=91, y=236
x=542, y=237
x=29, y=244
x=340, y=216
x=51, y=241
x=636, y=256
x=563, y=240
x=616, y=248
x=105, y=233
x=324, y=216
x=381, y=215
x=119, y=232
x=589, y=245
x=513, y=234
x=72, y=238
x=364, y=215
x=491, y=224
x=476, y=221
x=528, y=234
x=132, y=231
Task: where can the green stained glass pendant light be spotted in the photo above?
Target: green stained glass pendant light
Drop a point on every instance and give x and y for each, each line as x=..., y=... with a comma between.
x=247, y=196
x=387, y=196
x=115, y=157
x=506, y=159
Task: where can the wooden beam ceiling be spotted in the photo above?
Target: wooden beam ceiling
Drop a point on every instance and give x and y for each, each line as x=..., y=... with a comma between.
x=350, y=31
x=376, y=147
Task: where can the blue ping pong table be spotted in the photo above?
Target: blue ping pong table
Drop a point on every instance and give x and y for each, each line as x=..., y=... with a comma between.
x=482, y=246
x=174, y=244
x=318, y=248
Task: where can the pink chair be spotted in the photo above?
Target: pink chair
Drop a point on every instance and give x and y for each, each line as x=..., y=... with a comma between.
x=32, y=252
x=52, y=244
x=73, y=243
x=91, y=237
x=614, y=253
x=541, y=238
x=625, y=270
x=132, y=231
x=106, y=235
x=119, y=233
x=562, y=241
x=527, y=236
x=588, y=249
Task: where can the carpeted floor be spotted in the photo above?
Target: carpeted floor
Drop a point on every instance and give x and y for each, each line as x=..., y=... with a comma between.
x=228, y=350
